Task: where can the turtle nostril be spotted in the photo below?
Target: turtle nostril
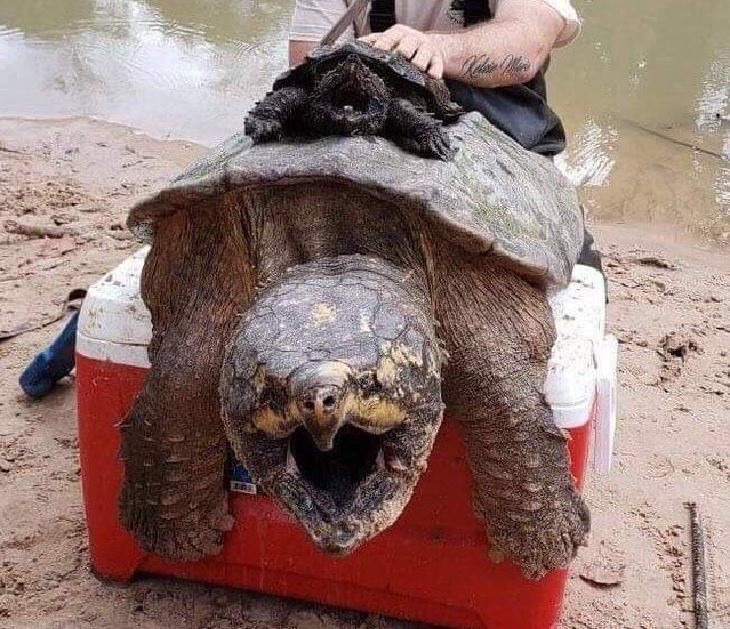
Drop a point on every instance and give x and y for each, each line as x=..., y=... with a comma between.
x=314, y=403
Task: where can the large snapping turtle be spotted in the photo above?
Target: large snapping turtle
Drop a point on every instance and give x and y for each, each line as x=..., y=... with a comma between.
x=314, y=303
x=355, y=89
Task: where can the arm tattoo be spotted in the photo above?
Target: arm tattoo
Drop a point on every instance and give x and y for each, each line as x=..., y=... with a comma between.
x=483, y=65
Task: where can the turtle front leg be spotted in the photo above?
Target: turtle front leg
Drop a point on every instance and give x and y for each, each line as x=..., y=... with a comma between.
x=174, y=451
x=196, y=281
x=417, y=132
x=500, y=332
x=267, y=120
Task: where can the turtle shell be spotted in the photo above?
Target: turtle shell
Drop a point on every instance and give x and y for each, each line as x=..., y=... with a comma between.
x=494, y=197
x=388, y=65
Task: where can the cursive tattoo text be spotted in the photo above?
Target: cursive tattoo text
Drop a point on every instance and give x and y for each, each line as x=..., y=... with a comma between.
x=478, y=66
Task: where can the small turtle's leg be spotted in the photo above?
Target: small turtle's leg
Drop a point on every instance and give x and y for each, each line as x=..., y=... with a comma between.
x=267, y=120
x=499, y=331
x=195, y=282
x=416, y=131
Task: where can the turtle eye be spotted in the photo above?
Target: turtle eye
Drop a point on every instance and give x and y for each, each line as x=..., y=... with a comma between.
x=274, y=397
x=271, y=416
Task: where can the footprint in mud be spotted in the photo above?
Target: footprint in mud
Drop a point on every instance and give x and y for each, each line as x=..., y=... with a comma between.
x=14, y=454
x=721, y=464
x=674, y=350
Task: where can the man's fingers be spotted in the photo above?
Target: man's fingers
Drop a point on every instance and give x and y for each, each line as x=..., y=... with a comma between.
x=399, y=31
x=436, y=69
x=412, y=45
x=408, y=46
x=386, y=41
x=422, y=58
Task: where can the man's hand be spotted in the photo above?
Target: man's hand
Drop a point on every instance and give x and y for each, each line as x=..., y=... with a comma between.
x=422, y=49
x=508, y=50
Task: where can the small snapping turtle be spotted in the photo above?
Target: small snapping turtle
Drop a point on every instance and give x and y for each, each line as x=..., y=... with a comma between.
x=355, y=89
x=304, y=298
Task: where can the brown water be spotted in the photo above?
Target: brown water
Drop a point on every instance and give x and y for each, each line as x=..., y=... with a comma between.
x=645, y=92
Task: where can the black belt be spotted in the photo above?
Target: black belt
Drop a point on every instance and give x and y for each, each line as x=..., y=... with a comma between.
x=382, y=13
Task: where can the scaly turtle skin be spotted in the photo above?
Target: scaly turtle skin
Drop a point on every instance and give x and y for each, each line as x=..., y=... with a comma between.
x=305, y=298
x=355, y=89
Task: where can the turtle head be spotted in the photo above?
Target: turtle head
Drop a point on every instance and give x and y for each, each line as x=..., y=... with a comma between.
x=350, y=98
x=331, y=395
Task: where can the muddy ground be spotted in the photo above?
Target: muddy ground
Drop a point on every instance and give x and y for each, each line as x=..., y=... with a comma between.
x=670, y=308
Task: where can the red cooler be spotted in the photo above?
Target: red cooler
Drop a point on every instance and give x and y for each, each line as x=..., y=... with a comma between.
x=431, y=566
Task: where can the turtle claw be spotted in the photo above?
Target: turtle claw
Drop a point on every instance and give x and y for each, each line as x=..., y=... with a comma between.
x=263, y=129
x=196, y=535
x=544, y=540
x=438, y=144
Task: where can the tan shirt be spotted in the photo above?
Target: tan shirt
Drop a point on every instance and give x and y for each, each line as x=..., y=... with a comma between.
x=313, y=18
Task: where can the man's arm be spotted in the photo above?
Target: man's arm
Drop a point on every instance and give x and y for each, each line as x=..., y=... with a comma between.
x=311, y=21
x=299, y=50
x=507, y=50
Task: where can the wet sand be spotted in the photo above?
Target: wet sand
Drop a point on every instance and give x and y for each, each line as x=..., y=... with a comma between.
x=672, y=444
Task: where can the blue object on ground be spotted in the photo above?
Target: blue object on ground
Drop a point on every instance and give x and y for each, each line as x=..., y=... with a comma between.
x=53, y=363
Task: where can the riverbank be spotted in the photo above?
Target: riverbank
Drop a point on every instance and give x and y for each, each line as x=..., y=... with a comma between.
x=670, y=308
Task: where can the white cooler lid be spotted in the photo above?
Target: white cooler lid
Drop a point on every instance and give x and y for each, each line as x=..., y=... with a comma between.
x=114, y=323
x=115, y=326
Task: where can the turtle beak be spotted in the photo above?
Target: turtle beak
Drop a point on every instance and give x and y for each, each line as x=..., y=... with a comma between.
x=317, y=391
x=353, y=64
x=319, y=409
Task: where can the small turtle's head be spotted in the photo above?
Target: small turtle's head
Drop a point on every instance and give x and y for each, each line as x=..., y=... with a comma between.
x=331, y=396
x=354, y=70
x=350, y=98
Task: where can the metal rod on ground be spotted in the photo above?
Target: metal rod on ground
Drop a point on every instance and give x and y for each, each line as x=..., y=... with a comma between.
x=699, y=572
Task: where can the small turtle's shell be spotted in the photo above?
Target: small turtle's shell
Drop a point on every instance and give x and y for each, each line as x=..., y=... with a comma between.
x=388, y=65
x=494, y=198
